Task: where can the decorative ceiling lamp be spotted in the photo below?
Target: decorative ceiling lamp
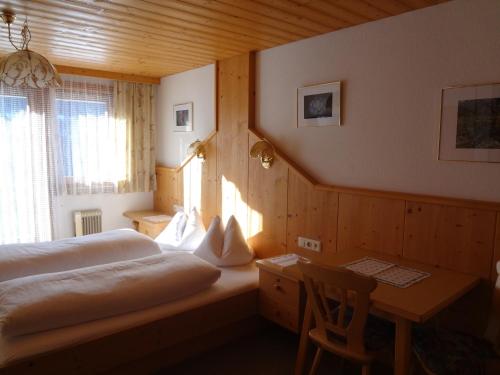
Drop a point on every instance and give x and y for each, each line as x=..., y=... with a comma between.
x=25, y=68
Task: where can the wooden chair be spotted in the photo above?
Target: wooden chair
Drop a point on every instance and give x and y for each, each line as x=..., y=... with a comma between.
x=444, y=352
x=334, y=331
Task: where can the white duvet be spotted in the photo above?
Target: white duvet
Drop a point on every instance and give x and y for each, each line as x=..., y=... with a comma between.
x=43, y=302
x=18, y=260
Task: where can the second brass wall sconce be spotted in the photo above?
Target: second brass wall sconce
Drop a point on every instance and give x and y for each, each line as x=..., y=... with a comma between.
x=264, y=151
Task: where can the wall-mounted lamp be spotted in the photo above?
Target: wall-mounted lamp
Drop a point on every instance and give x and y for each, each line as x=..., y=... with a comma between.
x=264, y=151
x=197, y=148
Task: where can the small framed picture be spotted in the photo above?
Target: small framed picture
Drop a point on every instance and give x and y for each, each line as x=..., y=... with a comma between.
x=318, y=105
x=183, y=117
x=470, y=123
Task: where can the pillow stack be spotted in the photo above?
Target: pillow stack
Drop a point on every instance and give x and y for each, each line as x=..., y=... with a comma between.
x=183, y=233
x=227, y=248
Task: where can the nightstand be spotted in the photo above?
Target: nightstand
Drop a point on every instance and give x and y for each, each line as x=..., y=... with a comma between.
x=149, y=227
x=281, y=295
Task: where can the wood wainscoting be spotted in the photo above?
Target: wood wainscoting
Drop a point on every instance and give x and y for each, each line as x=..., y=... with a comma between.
x=279, y=204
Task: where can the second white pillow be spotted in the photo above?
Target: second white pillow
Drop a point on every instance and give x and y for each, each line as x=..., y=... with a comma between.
x=225, y=249
x=171, y=236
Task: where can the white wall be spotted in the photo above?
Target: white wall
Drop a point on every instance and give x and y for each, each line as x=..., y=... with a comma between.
x=393, y=71
x=112, y=205
x=197, y=86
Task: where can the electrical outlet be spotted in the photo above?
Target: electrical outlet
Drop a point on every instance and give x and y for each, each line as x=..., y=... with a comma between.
x=307, y=243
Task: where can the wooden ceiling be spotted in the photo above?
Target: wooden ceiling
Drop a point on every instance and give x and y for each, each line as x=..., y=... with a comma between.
x=155, y=38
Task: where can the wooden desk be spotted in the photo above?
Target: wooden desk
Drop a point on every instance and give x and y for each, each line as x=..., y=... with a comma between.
x=416, y=303
x=147, y=227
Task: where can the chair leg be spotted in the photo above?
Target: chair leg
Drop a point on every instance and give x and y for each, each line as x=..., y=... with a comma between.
x=317, y=359
x=365, y=370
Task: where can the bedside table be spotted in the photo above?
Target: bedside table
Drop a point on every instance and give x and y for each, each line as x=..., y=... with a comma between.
x=281, y=295
x=148, y=227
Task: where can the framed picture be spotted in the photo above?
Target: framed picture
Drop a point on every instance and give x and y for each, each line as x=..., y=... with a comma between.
x=470, y=123
x=183, y=117
x=318, y=105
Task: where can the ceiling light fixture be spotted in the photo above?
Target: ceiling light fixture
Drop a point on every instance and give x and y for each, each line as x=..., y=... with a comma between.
x=25, y=68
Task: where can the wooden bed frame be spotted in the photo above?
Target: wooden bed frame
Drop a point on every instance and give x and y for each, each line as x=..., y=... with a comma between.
x=149, y=347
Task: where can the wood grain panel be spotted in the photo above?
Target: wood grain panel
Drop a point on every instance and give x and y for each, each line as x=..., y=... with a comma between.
x=312, y=214
x=169, y=189
x=157, y=38
x=209, y=183
x=371, y=223
x=452, y=237
x=235, y=93
x=267, y=201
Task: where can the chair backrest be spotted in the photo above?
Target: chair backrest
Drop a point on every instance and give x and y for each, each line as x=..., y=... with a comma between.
x=350, y=290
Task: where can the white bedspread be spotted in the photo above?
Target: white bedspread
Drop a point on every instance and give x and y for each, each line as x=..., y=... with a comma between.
x=18, y=260
x=42, y=302
x=233, y=281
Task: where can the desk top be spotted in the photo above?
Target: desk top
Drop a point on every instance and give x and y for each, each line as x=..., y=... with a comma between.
x=418, y=302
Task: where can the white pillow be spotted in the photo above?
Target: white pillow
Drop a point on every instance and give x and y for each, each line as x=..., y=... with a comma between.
x=210, y=248
x=193, y=233
x=235, y=251
x=171, y=236
x=229, y=249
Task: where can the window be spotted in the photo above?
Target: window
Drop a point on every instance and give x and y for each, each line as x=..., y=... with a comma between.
x=92, y=142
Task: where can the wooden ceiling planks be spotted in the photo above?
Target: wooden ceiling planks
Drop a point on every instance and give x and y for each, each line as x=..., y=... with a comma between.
x=155, y=38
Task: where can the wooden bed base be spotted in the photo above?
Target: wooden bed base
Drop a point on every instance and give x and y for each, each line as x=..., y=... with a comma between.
x=147, y=348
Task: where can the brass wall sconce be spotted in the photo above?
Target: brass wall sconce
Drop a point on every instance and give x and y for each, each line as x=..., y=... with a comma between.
x=264, y=151
x=197, y=148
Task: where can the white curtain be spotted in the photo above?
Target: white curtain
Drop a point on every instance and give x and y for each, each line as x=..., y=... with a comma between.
x=93, y=146
x=107, y=136
x=26, y=169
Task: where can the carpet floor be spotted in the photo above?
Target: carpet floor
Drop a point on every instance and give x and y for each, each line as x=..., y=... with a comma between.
x=271, y=351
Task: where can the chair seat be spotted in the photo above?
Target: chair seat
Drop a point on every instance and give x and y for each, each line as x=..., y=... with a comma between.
x=451, y=353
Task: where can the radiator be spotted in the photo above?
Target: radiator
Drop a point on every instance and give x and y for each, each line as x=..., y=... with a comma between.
x=87, y=222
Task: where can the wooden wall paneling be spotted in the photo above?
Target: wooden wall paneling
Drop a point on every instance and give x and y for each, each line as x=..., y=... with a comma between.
x=178, y=198
x=209, y=182
x=444, y=201
x=375, y=224
x=456, y=238
x=235, y=91
x=312, y=214
x=169, y=189
x=267, y=201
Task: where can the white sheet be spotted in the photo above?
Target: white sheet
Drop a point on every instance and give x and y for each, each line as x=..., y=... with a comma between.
x=18, y=260
x=233, y=281
x=42, y=302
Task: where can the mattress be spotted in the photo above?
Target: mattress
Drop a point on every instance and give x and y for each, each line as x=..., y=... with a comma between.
x=233, y=281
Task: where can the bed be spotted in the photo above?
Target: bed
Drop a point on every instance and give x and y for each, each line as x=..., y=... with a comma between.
x=141, y=341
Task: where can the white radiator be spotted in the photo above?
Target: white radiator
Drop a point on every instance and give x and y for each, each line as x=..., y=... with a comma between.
x=87, y=222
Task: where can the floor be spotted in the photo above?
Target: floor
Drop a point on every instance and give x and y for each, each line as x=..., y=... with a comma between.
x=271, y=351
